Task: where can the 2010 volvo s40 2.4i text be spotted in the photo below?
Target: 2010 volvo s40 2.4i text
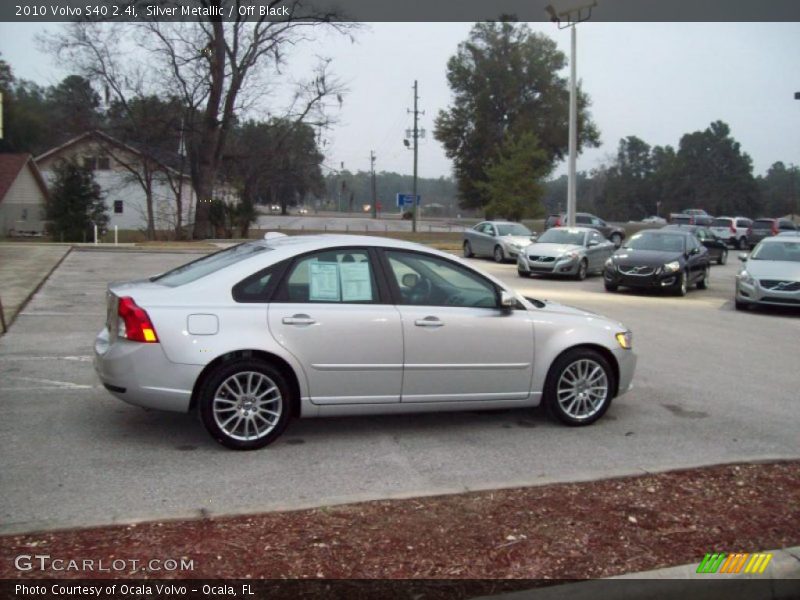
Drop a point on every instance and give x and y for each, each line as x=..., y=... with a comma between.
x=315, y=326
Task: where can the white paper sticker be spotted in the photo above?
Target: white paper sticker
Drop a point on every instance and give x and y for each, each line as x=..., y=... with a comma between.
x=324, y=284
x=356, y=282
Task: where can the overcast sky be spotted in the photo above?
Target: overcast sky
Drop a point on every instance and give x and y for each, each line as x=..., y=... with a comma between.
x=653, y=80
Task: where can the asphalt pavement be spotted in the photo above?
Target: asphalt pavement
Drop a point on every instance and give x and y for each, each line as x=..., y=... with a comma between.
x=713, y=385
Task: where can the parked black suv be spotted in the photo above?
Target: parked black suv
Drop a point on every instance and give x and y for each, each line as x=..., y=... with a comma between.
x=611, y=233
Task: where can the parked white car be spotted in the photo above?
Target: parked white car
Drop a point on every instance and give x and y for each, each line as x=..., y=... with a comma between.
x=733, y=230
x=315, y=326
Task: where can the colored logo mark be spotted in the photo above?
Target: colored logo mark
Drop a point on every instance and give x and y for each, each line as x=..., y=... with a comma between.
x=738, y=562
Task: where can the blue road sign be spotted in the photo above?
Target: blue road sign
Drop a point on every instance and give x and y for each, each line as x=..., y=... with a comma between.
x=406, y=200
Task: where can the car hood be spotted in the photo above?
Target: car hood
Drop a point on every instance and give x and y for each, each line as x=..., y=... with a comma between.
x=545, y=249
x=564, y=309
x=644, y=258
x=773, y=269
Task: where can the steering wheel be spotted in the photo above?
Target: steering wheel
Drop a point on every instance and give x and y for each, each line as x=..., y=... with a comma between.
x=454, y=300
x=421, y=291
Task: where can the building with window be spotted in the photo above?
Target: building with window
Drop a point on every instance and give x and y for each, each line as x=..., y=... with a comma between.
x=125, y=174
x=23, y=196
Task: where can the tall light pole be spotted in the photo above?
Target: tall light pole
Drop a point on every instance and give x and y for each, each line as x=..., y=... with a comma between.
x=570, y=18
x=416, y=133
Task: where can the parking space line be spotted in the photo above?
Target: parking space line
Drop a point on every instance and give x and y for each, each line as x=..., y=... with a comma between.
x=53, y=384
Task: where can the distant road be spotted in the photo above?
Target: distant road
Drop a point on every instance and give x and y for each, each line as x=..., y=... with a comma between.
x=354, y=224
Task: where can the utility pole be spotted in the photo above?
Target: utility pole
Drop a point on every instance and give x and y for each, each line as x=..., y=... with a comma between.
x=374, y=199
x=415, y=135
x=572, y=17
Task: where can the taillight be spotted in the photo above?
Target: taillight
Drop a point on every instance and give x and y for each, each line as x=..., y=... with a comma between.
x=558, y=221
x=733, y=229
x=135, y=324
x=774, y=228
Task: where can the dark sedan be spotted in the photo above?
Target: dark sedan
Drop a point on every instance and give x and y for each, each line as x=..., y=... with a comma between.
x=717, y=248
x=659, y=259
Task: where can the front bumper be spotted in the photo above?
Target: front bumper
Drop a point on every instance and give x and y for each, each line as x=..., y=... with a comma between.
x=626, y=361
x=547, y=265
x=650, y=279
x=140, y=374
x=753, y=293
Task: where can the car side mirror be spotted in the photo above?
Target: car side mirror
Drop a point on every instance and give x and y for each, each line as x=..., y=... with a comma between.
x=410, y=280
x=507, y=300
x=743, y=257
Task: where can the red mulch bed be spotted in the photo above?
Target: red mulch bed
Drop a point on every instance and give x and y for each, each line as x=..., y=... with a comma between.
x=560, y=531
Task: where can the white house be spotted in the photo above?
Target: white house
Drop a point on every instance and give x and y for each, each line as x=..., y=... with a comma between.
x=23, y=195
x=120, y=171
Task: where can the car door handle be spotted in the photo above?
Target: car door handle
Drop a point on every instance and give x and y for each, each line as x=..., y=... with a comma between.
x=429, y=322
x=298, y=320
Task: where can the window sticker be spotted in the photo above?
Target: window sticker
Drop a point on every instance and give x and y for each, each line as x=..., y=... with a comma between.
x=324, y=285
x=356, y=282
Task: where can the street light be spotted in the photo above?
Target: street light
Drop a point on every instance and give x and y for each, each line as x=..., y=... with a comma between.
x=570, y=18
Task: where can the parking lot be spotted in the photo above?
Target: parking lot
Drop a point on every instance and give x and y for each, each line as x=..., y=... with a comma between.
x=713, y=385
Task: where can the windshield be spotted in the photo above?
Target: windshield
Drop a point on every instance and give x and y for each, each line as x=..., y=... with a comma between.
x=562, y=236
x=660, y=242
x=782, y=251
x=513, y=229
x=209, y=264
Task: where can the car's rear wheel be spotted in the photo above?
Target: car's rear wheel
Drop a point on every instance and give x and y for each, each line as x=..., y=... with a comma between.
x=579, y=387
x=468, y=253
x=703, y=283
x=723, y=258
x=583, y=268
x=742, y=243
x=245, y=404
x=499, y=255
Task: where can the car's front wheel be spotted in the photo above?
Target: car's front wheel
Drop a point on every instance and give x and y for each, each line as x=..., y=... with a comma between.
x=682, y=285
x=499, y=255
x=583, y=268
x=245, y=404
x=703, y=283
x=468, y=253
x=579, y=387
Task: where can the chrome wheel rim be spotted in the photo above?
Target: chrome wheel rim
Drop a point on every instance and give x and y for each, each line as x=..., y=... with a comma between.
x=582, y=270
x=582, y=389
x=498, y=255
x=247, y=406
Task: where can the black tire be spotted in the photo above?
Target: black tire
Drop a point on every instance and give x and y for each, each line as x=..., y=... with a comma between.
x=703, y=283
x=611, y=287
x=723, y=257
x=468, y=253
x=499, y=255
x=742, y=245
x=616, y=239
x=551, y=389
x=583, y=269
x=523, y=273
x=740, y=305
x=210, y=389
x=682, y=285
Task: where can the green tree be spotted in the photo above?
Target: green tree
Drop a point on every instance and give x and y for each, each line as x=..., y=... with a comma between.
x=628, y=192
x=713, y=173
x=513, y=182
x=780, y=190
x=76, y=204
x=74, y=107
x=505, y=80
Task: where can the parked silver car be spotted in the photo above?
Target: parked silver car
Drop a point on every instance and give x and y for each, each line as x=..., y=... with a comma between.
x=315, y=326
x=771, y=273
x=571, y=251
x=499, y=239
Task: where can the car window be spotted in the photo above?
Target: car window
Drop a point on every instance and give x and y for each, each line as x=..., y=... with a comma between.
x=660, y=242
x=488, y=229
x=582, y=219
x=343, y=275
x=721, y=223
x=762, y=224
x=743, y=222
x=258, y=286
x=513, y=229
x=210, y=264
x=786, y=225
x=598, y=222
x=431, y=281
x=596, y=237
x=479, y=227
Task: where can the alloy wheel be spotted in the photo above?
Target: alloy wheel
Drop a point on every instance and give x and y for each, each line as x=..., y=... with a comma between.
x=247, y=406
x=582, y=389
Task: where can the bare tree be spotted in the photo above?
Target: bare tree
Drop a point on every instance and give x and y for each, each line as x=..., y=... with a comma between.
x=218, y=69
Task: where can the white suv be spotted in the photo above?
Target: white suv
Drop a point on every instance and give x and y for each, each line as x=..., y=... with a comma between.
x=732, y=230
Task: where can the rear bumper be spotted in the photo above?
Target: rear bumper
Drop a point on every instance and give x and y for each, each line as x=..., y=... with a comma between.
x=140, y=374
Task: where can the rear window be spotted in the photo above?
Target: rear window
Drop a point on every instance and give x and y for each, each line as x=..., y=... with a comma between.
x=762, y=224
x=209, y=264
x=743, y=223
x=721, y=223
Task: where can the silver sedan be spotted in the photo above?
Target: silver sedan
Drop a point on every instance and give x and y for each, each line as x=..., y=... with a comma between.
x=771, y=274
x=315, y=326
x=570, y=251
x=500, y=240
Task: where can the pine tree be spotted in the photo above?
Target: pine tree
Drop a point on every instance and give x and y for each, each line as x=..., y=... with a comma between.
x=76, y=204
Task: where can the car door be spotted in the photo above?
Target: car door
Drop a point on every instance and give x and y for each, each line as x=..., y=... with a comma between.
x=598, y=250
x=697, y=258
x=479, y=239
x=459, y=345
x=334, y=314
x=710, y=243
